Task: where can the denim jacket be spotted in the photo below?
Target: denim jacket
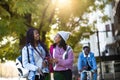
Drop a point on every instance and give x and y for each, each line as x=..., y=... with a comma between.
x=32, y=65
x=82, y=61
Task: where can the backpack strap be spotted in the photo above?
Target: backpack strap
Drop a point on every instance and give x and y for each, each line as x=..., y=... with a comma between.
x=27, y=55
x=53, y=53
x=65, y=55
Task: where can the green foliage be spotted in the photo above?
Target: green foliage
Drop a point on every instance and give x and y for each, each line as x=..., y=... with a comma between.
x=13, y=26
x=13, y=23
x=79, y=35
x=43, y=14
x=4, y=13
x=76, y=9
x=9, y=51
x=3, y=28
x=10, y=22
x=105, y=18
x=22, y=7
x=17, y=26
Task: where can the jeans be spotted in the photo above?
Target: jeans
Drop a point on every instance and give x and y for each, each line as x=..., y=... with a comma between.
x=83, y=76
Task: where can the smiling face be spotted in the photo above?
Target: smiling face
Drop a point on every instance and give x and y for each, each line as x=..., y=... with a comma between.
x=86, y=51
x=36, y=35
x=57, y=38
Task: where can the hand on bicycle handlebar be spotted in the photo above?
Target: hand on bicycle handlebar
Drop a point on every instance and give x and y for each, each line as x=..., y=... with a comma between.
x=84, y=68
x=93, y=71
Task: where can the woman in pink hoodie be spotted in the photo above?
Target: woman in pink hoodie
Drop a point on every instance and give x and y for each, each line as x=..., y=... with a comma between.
x=62, y=57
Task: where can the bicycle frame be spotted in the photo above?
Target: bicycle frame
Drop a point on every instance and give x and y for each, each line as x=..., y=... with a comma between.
x=89, y=74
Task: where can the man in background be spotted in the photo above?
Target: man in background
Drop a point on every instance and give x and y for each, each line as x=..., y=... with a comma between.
x=87, y=62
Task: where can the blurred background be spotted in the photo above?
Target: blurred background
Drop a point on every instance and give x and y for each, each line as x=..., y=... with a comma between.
x=95, y=23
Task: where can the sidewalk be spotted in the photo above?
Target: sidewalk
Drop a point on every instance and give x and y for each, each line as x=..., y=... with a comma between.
x=15, y=78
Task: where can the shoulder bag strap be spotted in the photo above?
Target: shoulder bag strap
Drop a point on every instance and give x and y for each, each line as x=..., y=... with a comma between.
x=39, y=53
x=27, y=55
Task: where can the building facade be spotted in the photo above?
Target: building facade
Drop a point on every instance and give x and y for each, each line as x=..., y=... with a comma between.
x=107, y=48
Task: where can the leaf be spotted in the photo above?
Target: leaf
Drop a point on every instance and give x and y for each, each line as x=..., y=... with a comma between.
x=3, y=27
x=18, y=26
x=22, y=7
x=105, y=18
x=4, y=13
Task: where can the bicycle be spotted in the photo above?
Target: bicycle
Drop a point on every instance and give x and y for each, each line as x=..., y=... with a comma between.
x=88, y=74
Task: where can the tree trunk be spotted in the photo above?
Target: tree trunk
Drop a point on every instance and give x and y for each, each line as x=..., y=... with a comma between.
x=43, y=36
x=43, y=16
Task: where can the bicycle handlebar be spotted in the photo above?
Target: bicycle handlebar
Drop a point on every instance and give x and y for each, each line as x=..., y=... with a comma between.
x=86, y=71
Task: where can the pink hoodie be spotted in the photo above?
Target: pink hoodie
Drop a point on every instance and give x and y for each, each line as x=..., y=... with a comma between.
x=63, y=64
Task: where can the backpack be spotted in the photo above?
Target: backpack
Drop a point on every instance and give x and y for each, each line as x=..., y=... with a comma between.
x=22, y=72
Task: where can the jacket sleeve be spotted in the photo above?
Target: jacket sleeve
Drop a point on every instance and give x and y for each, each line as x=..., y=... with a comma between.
x=26, y=64
x=80, y=62
x=94, y=62
x=68, y=61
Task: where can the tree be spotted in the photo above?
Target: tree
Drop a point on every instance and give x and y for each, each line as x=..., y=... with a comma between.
x=13, y=23
x=77, y=24
x=18, y=15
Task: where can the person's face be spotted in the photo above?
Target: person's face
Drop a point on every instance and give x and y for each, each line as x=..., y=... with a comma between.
x=57, y=38
x=36, y=35
x=86, y=51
